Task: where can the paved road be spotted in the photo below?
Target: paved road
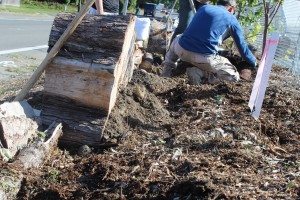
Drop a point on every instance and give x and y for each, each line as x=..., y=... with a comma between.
x=23, y=43
x=23, y=31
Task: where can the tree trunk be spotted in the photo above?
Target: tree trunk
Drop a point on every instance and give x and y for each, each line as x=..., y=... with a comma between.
x=82, y=82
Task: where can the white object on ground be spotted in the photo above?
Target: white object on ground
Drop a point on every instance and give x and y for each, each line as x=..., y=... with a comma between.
x=17, y=109
x=177, y=154
x=7, y=64
x=23, y=49
x=142, y=28
x=262, y=77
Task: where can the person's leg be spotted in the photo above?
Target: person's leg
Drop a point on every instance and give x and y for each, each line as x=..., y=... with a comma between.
x=195, y=75
x=215, y=70
x=211, y=68
x=224, y=69
x=170, y=59
x=185, y=17
x=220, y=71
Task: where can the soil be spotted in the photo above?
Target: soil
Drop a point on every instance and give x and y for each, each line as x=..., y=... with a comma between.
x=180, y=141
x=167, y=139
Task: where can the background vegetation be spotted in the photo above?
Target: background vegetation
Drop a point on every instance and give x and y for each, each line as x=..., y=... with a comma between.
x=41, y=7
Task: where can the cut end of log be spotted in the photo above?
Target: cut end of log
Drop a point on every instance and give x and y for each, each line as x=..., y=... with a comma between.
x=83, y=81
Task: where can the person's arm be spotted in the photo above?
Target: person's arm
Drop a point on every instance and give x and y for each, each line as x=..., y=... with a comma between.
x=99, y=5
x=237, y=35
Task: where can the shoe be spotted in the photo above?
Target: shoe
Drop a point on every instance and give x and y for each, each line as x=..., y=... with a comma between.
x=181, y=67
x=167, y=71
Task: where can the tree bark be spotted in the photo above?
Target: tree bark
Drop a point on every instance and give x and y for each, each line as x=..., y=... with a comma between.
x=82, y=82
x=38, y=72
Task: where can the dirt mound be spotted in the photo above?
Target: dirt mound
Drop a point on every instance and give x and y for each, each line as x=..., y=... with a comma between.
x=138, y=106
x=178, y=141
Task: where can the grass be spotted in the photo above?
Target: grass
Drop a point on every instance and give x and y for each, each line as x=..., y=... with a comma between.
x=48, y=8
x=35, y=7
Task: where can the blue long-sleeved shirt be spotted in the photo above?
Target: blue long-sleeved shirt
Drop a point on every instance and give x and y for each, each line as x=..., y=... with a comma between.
x=210, y=26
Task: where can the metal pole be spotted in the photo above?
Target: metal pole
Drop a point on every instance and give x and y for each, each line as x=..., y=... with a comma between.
x=192, y=6
x=79, y=5
x=125, y=7
x=169, y=24
x=169, y=16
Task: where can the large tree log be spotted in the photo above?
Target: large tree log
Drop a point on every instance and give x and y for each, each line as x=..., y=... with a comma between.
x=48, y=59
x=82, y=82
x=82, y=124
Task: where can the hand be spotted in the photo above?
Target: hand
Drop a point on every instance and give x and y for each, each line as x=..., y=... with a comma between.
x=255, y=66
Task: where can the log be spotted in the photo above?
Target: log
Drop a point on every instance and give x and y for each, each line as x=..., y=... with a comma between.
x=82, y=124
x=48, y=59
x=138, y=57
x=11, y=182
x=147, y=62
x=30, y=157
x=34, y=155
x=82, y=82
x=102, y=47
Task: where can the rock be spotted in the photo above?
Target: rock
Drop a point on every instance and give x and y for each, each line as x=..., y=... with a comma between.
x=139, y=91
x=84, y=150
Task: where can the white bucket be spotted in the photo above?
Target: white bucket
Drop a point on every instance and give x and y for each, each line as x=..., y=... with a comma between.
x=142, y=28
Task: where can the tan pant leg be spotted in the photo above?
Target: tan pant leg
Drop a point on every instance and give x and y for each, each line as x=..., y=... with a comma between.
x=214, y=68
x=171, y=56
x=224, y=69
x=195, y=75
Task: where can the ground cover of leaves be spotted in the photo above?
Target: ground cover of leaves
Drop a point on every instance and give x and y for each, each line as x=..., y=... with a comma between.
x=179, y=141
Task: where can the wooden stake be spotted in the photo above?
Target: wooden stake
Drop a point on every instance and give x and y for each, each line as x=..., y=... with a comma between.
x=50, y=56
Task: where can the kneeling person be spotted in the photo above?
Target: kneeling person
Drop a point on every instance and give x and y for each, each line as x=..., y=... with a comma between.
x=199, y=45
